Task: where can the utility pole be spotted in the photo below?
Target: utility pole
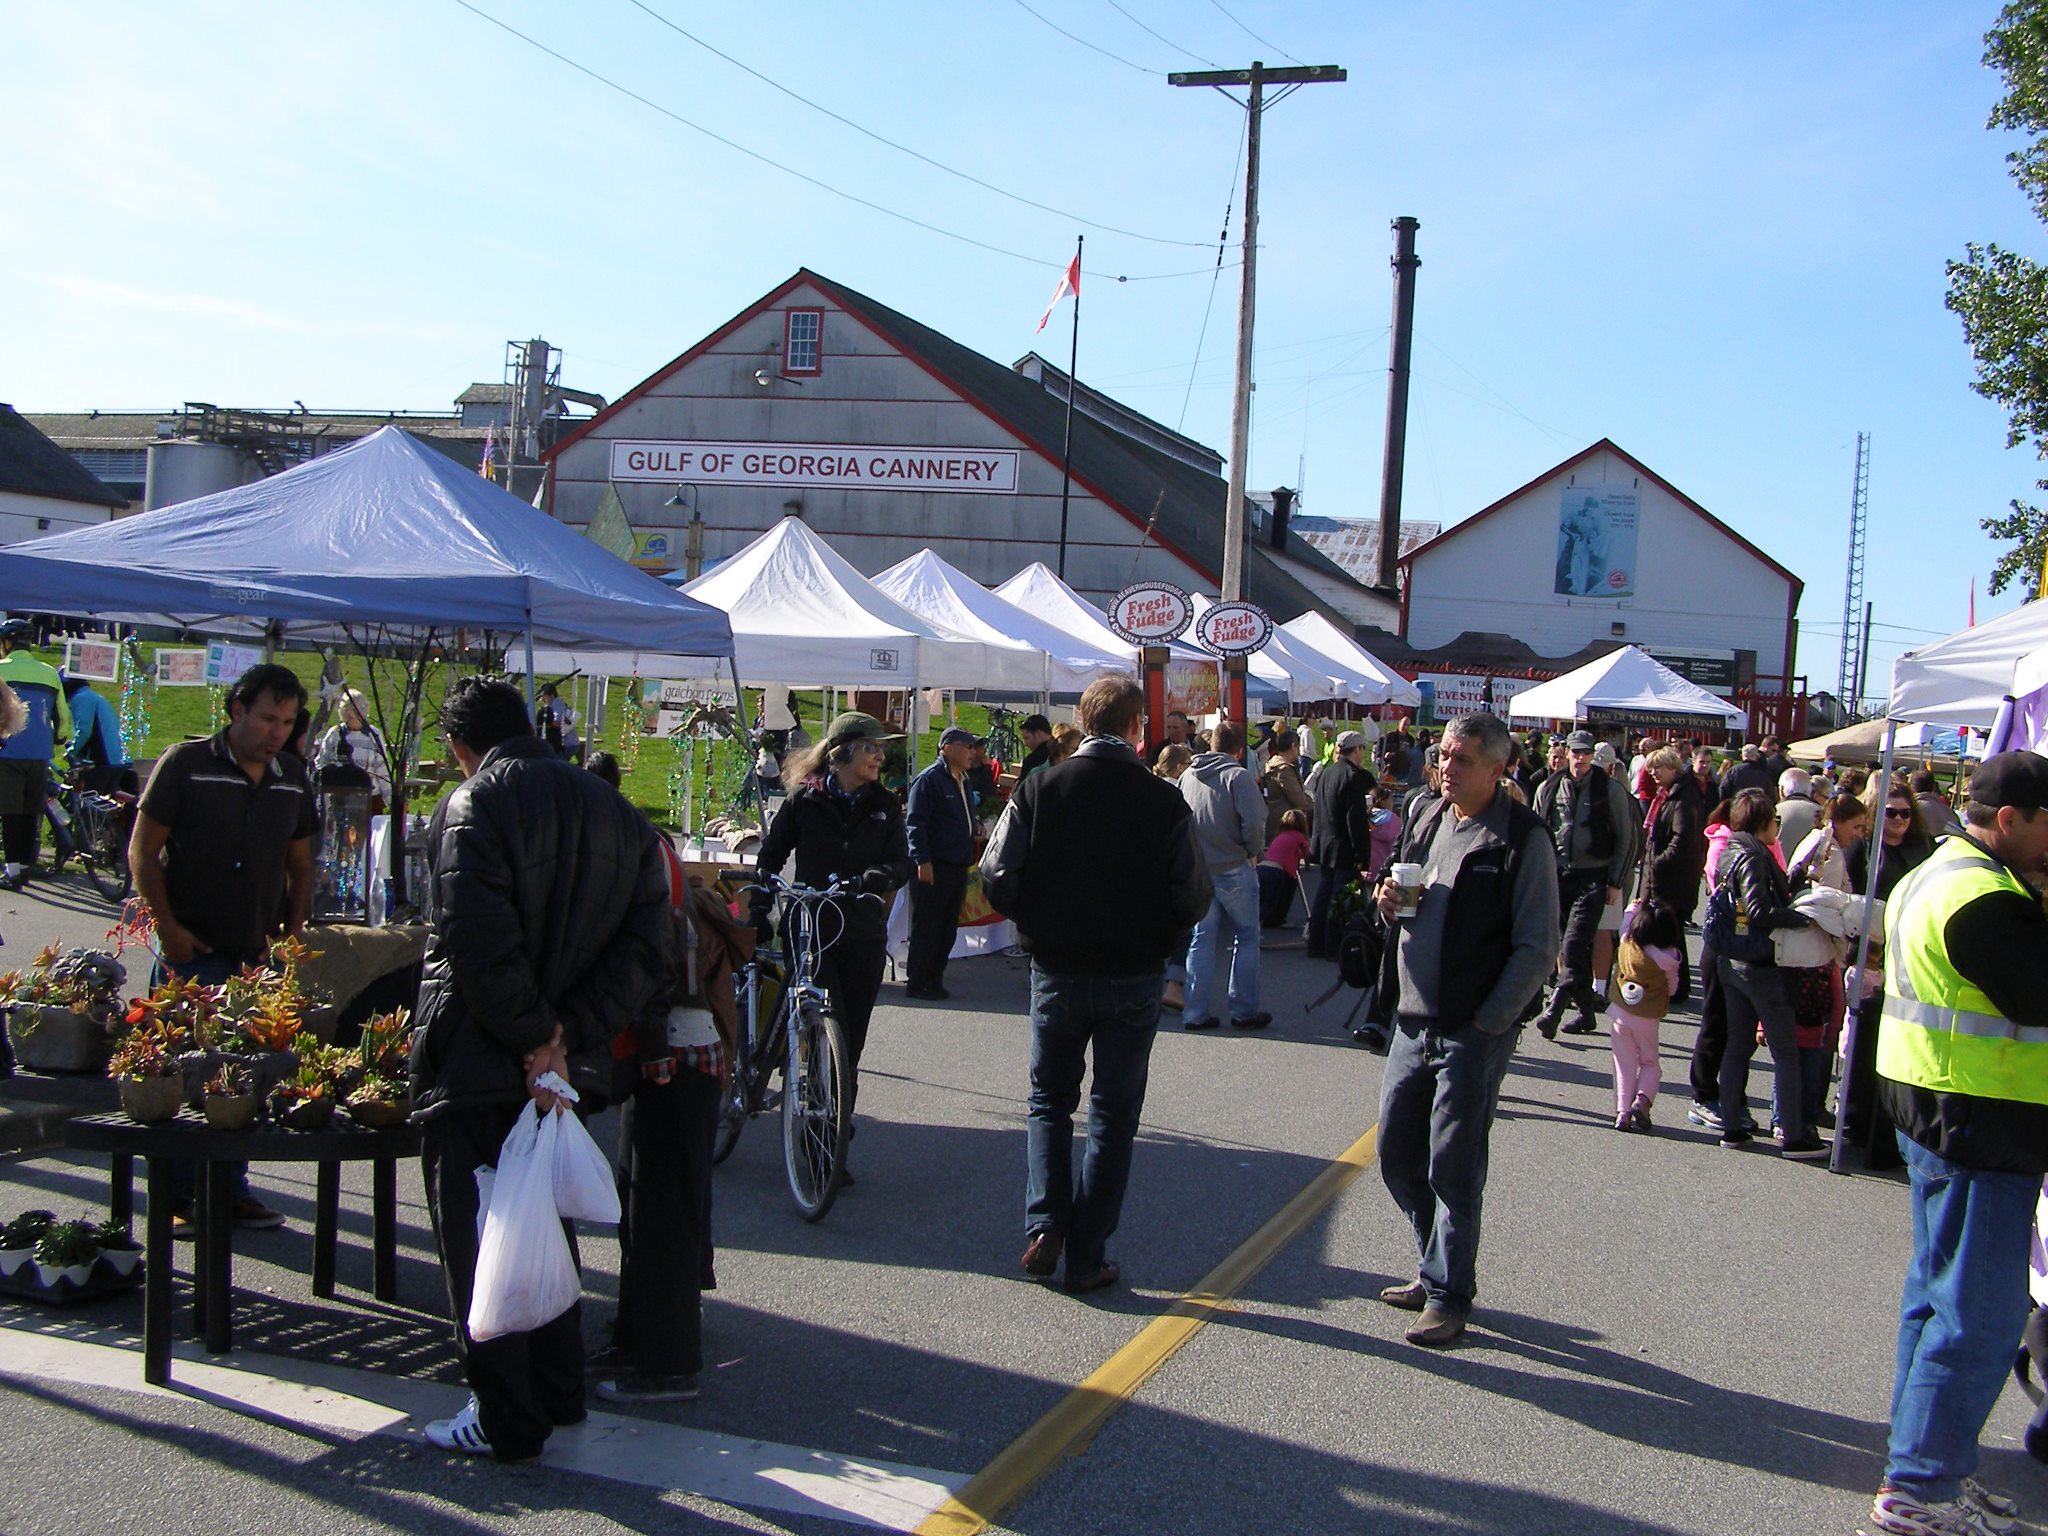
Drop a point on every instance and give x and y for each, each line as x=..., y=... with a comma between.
x=1256, y=79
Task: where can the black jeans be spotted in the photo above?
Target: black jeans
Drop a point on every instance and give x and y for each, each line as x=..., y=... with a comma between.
x=1276, y=895
x=1323, y=931
x=1712, y=1041
x=1582, y=897
x=1758, y=994
x=665, y=1253
x=525, y=1383
x=934, y=923
x=851, y=971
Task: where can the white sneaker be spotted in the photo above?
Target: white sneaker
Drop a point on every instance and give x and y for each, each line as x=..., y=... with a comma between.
x=1903, y=1514
x=463, y=1433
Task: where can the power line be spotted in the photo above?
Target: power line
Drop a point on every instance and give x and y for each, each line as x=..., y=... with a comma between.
x=1248, y=32
x=1094, y=47
x=1178, y=48
x=790, y=170
x=1222, y=243
x=940, y=165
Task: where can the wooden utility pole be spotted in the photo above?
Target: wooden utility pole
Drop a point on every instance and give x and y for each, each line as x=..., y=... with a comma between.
x=1256, y=79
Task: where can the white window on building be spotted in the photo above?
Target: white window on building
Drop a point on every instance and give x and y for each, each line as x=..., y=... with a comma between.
x=802, y=331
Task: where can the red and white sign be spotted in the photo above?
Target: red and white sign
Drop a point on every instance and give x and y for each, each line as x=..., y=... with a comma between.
x=1151, y=613
x=1234, y=629
x=853, y=466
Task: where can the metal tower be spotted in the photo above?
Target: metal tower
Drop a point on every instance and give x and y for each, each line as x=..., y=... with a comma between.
x=1852, y=586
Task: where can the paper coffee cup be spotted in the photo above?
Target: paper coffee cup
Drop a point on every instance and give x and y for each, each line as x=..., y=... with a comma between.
x=1407, y=880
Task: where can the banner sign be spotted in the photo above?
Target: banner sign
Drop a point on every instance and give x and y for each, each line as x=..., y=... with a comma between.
x=1713, y=671
x=97, y=661
x=1191, y=688
x=1151, y=613
x=651, y=549
x=180, y=668
x=226, y=661
x=1234, y=629
x=1447, y=695
x=1596, y=542
x=850, y=466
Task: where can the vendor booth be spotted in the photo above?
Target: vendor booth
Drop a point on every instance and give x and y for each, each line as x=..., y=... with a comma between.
x=1060, y=662
x=1320, y=634
x=1627, y=690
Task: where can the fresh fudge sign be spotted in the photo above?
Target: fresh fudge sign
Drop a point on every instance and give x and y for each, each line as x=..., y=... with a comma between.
x=1234, y=629
x=851, y=466
x=1151, y=613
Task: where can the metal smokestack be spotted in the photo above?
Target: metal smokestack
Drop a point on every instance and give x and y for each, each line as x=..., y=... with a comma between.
x=1402, y=347
x=1283, y=503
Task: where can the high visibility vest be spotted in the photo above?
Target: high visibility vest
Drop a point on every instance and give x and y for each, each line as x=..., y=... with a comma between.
x=1938, y=1031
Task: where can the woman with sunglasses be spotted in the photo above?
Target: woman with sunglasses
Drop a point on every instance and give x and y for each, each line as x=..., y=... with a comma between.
x=1877, y=864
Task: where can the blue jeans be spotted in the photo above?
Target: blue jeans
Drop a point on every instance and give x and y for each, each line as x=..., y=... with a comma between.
x=208, y=971
x=1119, y=1016
x=1960, y=1316
x=1436, y=1116
x=1233, y=921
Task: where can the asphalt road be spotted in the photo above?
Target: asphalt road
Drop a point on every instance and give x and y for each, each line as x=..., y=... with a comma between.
x=1670, y=1337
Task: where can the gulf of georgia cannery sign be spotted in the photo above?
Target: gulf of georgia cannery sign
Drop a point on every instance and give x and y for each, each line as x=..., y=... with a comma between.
x=853, y=466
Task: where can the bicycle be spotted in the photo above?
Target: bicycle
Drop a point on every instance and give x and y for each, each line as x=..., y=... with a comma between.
x=1005, y=746
x=98, y=831
x=802, y=1041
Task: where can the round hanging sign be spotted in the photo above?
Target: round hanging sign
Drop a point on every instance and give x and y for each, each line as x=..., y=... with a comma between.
x=1234, y=629
x=1151, y=613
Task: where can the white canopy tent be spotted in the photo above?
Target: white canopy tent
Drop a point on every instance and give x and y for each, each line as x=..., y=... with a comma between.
x=1963, y=679
x=801, y=614
x=1300, y=671
x=1318, y=632
x=1039, y=657
x=1628, y=682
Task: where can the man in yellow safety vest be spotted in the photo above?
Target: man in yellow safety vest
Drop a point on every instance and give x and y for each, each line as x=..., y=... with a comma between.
x=1962, y=1061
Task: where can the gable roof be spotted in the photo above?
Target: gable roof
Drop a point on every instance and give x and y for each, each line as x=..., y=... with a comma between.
x=1130, y=477
x=1607, y=445
x=32, y=465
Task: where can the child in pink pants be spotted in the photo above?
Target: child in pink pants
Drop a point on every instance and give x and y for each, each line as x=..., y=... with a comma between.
x=1645, y=975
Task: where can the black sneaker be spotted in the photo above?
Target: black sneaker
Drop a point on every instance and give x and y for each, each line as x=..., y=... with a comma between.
x=635, y=1387
x=1736, y=1138
x=1252, y=1021
x=1807, y=1149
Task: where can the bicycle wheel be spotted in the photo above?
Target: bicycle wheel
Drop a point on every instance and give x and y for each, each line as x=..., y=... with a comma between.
x=817, y=1119
x=105, y=858
x=732, y=1117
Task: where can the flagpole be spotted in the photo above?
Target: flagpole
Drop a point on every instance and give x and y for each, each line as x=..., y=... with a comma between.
x=1067, y=449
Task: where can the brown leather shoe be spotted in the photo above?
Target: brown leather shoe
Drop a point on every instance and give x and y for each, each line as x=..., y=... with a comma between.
x=1042, y=1254
x=1436, y=1327
x=1412, y=1297
x=1103, y=1278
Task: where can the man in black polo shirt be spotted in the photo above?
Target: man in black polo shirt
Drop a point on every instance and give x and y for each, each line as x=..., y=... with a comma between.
x=223, y=855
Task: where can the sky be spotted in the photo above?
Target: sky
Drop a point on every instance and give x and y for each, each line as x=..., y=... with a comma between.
x=1714, y=234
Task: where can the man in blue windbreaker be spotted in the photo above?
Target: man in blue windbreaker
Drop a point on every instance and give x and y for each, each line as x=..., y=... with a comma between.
x=25, y=755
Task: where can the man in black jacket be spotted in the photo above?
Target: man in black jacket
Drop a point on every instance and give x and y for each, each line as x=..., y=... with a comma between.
x=1595, y=846
x=1340, y=836
x=1461, y=975
x=548, y=918
x=1095, y=859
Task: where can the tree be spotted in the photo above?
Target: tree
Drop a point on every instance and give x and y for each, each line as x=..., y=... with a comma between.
x=2001, y=296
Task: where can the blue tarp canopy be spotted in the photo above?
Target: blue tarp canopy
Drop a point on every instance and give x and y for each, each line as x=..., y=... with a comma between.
x=386, y=532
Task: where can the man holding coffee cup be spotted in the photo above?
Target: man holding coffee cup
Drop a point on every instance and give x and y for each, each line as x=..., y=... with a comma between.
x=1474, y=894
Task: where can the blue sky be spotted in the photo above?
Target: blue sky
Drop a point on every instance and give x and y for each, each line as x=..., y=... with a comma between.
x=1714, y=234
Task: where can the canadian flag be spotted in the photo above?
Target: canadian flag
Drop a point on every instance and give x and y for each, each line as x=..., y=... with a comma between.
x=1070, y=282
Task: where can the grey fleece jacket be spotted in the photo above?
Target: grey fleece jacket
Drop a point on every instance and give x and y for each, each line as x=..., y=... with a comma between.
x=1228, y=812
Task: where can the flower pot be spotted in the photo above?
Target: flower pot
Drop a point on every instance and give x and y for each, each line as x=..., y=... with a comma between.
x=57, y=1040
x=231, y=1111
x=121, y=1261
x=12, y=1259
x=379, y=1114
x=148, y=1100
x=307, y=1114
x=77, y=1274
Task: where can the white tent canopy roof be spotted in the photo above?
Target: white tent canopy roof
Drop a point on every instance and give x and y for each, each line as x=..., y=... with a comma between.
x=1318, y=632
x=1626, y=681
x=1962, y=680
x=1046, y=658
x=801, y=614
x=1298, y=670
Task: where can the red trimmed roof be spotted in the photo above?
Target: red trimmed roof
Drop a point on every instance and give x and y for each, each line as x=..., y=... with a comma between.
x=1608, y=445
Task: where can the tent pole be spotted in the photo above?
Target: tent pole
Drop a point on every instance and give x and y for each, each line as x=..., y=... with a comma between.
x=1849, y=1029
x=739, y=715
x=529, y=666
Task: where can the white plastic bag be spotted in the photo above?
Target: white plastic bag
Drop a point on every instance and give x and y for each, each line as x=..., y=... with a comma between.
x=585, y=1186
x=524, y=1274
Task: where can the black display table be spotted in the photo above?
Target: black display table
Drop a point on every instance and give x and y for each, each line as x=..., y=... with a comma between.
x=189, y=1136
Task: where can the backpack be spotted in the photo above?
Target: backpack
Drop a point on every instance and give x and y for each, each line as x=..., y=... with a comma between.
x=1724, y=938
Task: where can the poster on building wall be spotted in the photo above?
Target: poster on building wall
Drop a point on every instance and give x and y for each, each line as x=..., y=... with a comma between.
x=652, y=550
x=1596, y=541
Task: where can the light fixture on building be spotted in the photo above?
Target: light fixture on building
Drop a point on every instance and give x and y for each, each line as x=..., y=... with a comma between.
x=764, y=377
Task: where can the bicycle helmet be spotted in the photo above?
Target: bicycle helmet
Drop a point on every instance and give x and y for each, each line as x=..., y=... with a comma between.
x=16, y=629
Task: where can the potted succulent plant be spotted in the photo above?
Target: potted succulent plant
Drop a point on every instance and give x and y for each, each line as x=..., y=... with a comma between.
x=378, y=1102
x=67, y=1251
x=305, y=1100
x=145, y=1067
x=62, y=1009
x=386, y=1044
x=230, y=1100
x=119, y=1250
x=18, y=1239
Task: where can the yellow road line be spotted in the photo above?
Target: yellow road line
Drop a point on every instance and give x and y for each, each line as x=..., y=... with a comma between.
x=1069, y=1427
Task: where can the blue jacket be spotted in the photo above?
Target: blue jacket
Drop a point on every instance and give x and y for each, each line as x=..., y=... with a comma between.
x=90, y=711
x=937, y=820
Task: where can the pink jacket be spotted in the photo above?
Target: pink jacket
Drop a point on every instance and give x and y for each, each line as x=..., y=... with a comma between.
x=1717, y=839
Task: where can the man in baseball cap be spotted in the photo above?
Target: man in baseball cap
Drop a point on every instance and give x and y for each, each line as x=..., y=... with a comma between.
x=1962, y=1064
x=940, y=820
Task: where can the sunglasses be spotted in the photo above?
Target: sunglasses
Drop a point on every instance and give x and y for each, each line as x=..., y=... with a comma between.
x=1897, y=813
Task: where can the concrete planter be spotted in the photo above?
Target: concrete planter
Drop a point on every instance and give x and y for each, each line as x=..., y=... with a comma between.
x=57, y=1040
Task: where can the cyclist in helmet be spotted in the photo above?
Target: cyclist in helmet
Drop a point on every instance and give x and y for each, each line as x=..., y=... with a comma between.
x=25, y=755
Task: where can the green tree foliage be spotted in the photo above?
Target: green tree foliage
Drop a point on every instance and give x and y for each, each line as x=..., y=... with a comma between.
x=2001, y=296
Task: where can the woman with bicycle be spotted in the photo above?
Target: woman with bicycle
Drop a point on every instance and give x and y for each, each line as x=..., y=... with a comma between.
x=841, y=823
